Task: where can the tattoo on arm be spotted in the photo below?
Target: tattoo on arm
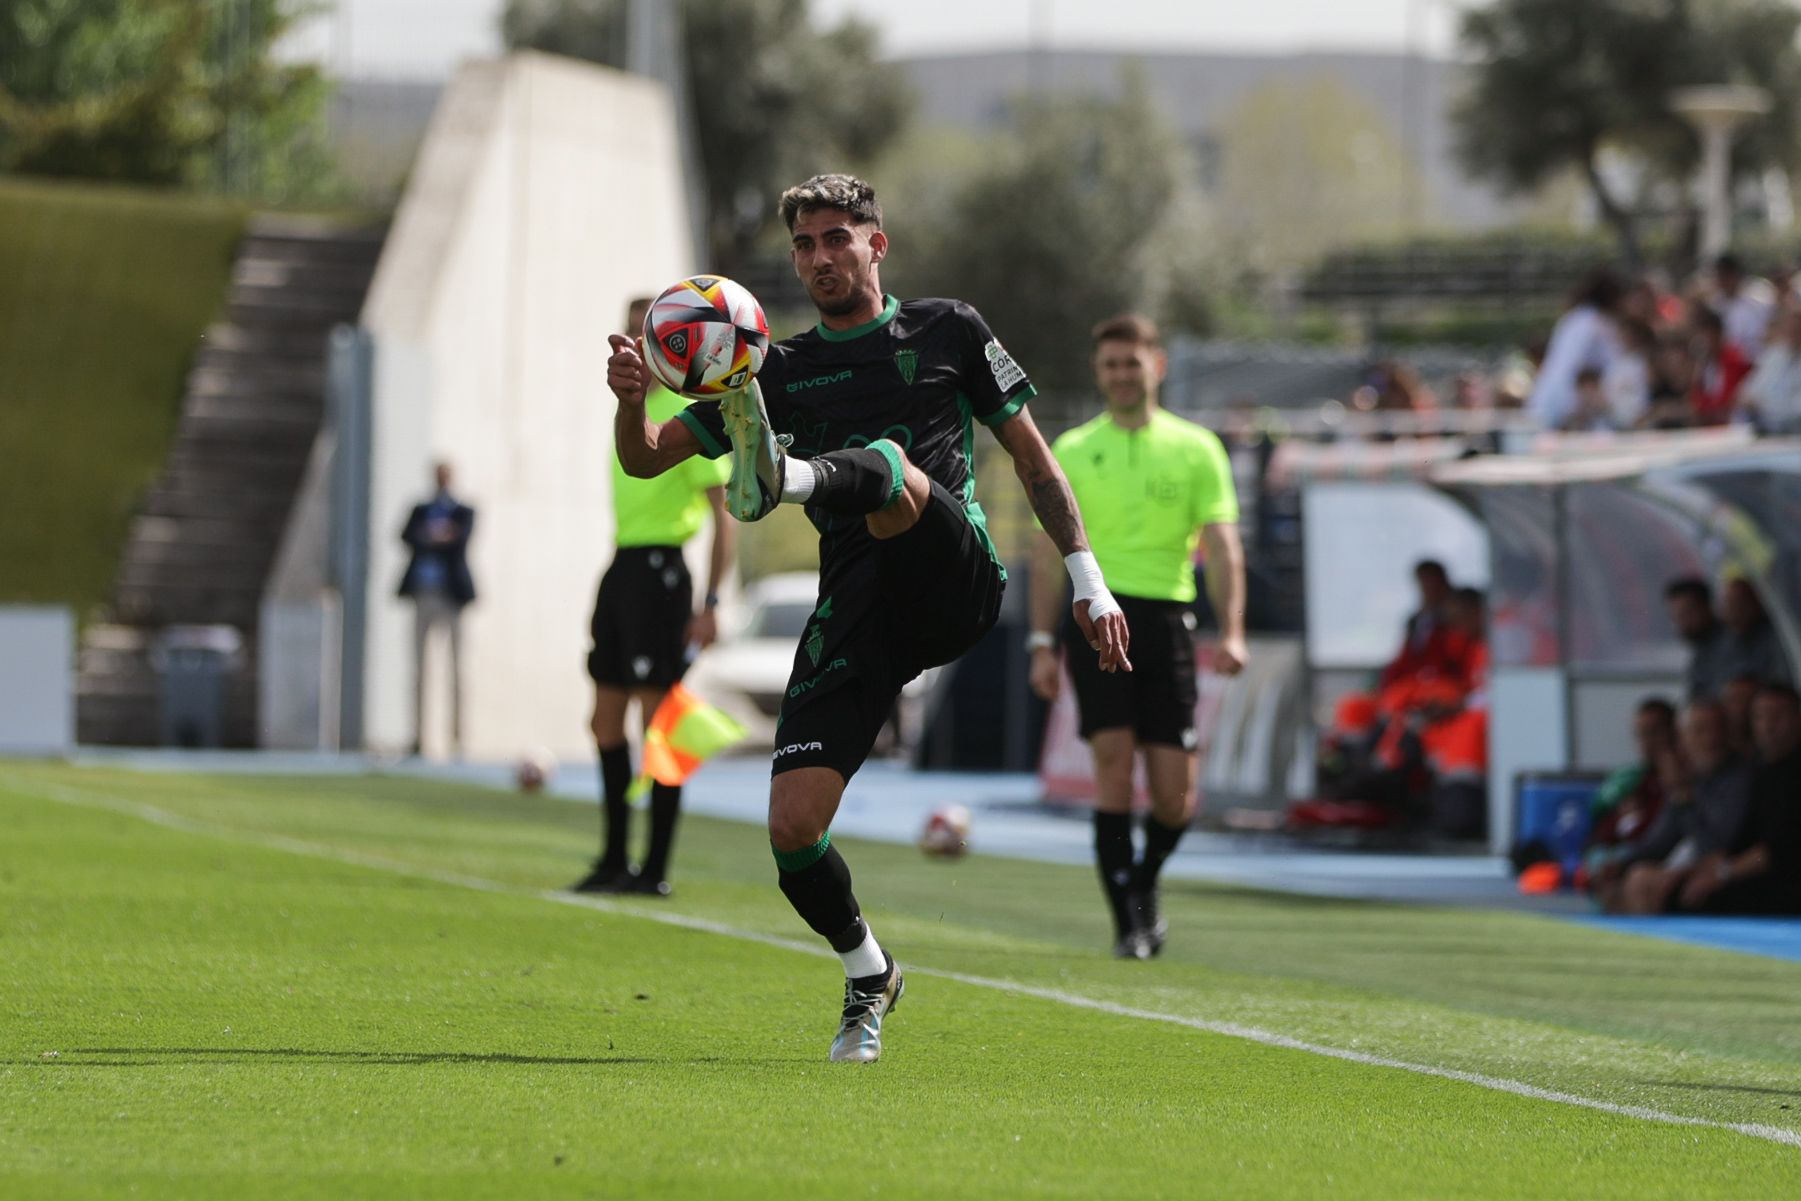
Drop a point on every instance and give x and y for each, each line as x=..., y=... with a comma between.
x=1056, y=510
x=1043, y=480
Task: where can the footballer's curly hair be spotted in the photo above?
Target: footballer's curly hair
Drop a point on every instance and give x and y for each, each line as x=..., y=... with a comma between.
x=846, y=193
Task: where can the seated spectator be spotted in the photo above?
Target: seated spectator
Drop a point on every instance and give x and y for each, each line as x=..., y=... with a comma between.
x=1432, y=653
x=1626, y=383
x=1426, y=642
x=1631, y=799
x=1443, y=691
x=1672, y=380
x=1736, y=699
x=1590, y=413
x=1744, y=303
x=1702, y=817
x=1399, y=389
x=1690, y=604
x=1760, y=872
x=1771, y=396
x=1454, y=738
x=1720, y=367
x=1753, y=649
x=1582, y=337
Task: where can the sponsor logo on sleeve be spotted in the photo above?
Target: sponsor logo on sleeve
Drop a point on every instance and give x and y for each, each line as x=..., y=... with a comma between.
x=1007, y=373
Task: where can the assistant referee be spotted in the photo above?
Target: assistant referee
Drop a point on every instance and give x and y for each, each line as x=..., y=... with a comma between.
x=645, y=629
x=1150, y=486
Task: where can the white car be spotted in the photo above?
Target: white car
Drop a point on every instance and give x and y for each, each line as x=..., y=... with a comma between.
x=746, y=671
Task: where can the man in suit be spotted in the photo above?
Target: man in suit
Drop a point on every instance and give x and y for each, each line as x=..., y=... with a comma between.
x=437, y=581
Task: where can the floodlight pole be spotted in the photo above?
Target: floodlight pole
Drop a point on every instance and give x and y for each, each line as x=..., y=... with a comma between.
x=1716, y=112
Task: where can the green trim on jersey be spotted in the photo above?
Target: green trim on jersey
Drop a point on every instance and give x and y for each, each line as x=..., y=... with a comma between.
x=971, y=507
x=844, y=335
x=1013, y=406
x=709, y=445
x=1144, y=496
x=667, y=509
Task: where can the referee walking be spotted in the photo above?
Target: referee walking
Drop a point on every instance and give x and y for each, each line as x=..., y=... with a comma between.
x=1150, y=486
x=645, y=628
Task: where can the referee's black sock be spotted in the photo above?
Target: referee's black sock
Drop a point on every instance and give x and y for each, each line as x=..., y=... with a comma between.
x=1113, y=856
x=615, y=778
x=1159, y=843
x=859, y=480
x=816, y=881
x=665, y=808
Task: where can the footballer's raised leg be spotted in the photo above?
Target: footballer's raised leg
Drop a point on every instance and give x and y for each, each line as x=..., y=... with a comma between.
x=876, y=482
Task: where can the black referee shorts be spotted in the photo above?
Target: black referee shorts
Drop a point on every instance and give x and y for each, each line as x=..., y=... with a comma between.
x=1156, y=699
x=888, y=609
x=640, y=621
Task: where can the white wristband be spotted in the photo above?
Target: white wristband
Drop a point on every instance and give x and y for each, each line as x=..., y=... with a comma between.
x=1041, y=640
x=1085, y=574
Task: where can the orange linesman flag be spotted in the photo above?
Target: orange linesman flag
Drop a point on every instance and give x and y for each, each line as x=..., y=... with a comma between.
x=684, y=732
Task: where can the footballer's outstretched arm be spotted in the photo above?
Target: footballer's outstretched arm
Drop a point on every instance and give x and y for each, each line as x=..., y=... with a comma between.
x=1096, y=612
x=644, y=449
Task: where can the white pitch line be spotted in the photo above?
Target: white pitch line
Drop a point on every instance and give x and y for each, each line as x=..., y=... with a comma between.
x=1253, y=1034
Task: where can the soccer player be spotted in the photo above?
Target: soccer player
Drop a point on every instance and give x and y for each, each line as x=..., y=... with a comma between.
x=1150, y=486
x=645, y=627
x=868, y=419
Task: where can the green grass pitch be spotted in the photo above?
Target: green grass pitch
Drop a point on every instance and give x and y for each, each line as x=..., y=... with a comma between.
x=368, y=987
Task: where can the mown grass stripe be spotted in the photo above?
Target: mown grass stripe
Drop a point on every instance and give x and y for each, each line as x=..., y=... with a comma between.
x=161, y=817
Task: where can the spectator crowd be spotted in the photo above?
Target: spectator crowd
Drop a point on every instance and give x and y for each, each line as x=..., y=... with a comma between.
x=1708, y=818
x=1634, y=355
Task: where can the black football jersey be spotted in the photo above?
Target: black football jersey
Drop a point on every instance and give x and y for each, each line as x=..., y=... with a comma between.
x=922, y=374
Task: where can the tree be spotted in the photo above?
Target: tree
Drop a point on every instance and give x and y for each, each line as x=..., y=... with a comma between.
x=1082, y=209
x=1305, y=166
x=158, y=92
x=1557, y=82
x=774, y=99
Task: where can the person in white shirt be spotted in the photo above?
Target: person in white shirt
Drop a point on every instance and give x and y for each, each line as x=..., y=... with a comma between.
x=1745, y=304
x=1626, y=382
x=1771, y=396
x=1583, y=337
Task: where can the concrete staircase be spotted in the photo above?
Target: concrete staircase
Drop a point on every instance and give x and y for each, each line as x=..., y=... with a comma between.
x=205, y=536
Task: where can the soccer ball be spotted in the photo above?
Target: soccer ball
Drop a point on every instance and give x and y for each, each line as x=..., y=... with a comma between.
x=704, y=337
x=534, y=770
x=946, y=833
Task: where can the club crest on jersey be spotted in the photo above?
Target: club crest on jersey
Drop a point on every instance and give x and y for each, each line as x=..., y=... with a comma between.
x=908, y=363
x=1006, y=372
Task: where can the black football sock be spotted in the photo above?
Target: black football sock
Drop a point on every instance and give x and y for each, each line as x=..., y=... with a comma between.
x=665, y=808
x=816, y=881
x=1159, y=842
x=857, y=481
x=1113, y=856
x=615, y=779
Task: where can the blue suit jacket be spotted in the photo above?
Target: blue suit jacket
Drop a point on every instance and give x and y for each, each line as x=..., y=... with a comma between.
x=454, y=555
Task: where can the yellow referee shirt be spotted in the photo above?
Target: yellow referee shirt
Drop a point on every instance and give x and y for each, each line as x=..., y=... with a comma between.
x=668, y=509
x=1144, y=495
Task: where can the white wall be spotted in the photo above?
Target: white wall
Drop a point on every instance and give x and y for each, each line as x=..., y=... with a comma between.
x=37, y=668
x=548, y=193
x=1527, y=722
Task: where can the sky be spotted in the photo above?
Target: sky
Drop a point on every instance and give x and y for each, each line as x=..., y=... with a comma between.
x=425, y=39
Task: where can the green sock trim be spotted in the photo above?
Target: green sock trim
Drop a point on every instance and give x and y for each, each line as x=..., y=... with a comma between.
x=888, y=450
x=806, y=857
